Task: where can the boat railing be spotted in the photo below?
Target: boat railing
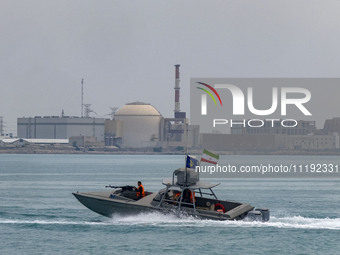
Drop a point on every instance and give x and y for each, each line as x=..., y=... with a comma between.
x=178, y=202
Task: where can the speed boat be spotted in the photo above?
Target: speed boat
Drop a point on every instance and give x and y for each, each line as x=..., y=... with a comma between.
x=183, y=194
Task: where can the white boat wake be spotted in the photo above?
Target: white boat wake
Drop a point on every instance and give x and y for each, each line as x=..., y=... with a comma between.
x=296, y=222
x=161, y=220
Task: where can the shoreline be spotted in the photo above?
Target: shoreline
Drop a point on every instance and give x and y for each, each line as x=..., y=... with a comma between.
x=148, y=151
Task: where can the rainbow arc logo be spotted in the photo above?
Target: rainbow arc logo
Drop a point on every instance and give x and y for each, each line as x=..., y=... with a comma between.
x=209, y=93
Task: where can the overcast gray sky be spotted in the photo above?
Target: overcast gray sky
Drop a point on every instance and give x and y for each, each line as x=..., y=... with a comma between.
x=126, y=50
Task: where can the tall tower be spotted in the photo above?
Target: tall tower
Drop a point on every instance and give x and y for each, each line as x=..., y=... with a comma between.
x=87, y=110
x=177, y=88
x=82, y=99
x=1, y=126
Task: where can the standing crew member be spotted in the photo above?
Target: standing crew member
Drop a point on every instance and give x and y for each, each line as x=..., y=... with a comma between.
x=140, y=190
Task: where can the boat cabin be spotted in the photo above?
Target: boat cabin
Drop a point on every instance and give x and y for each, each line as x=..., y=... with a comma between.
x=186, y=192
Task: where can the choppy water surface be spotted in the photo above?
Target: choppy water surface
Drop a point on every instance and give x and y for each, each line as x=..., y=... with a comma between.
x=39, y=215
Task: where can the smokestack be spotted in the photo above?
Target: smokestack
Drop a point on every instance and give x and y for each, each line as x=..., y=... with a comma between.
x=177, y=88
x=82, y=98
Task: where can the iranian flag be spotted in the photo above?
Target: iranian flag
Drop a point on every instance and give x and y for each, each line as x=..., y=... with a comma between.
x=209, y=157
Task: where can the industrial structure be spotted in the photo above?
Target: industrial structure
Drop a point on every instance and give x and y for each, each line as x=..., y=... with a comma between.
x=176, y=129
x=302, y=127
x=136, y=125
x=140, y=126
x=56, y=127
x=1, y=126
x=177, y=90
x=304, y=136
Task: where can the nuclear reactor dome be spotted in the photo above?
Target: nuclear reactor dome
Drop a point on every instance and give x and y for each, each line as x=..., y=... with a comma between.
x=137, y=109
x=140, y=125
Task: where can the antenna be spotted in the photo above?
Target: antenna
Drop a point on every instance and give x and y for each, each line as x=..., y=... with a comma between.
x=82, y=98
x=1, y=126
x=113, y=111
x=88, y=110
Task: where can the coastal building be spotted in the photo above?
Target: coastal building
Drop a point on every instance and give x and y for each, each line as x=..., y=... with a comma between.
x=243, y=142
x=135, y=125
x=313, y=142
x=270, y=142
x=55, y=127
x=141, y=125
x=303, y=127
x=332, y=126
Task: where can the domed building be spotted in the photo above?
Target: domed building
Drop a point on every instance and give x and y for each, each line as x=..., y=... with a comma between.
x=139, y=125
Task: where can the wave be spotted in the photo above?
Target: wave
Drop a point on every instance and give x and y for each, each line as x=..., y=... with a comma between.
x=158, y=219
x=296, y=222
x=49, y=222
x=305, y=223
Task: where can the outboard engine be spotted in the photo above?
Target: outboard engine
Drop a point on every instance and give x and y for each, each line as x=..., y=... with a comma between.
x=254, y=216
x=260, y=214
x=265, y=213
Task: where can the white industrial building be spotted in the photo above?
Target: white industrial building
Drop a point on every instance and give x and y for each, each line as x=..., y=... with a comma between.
x=135, y=125
x=55, y=127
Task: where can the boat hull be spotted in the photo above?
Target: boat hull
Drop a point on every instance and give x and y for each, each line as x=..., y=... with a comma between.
x=107, y=207
x=106, y=204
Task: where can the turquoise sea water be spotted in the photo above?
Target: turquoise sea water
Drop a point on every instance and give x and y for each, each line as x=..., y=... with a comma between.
x=39, y=215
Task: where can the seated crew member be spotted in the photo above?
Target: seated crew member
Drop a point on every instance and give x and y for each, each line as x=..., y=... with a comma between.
x=188, y=196
x=192, y=196
x=140, y=190
x=176, y=197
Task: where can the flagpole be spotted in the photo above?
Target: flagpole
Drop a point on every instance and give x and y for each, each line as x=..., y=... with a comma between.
x=186, y=153
x=198, y=174
x=186, y=170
